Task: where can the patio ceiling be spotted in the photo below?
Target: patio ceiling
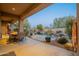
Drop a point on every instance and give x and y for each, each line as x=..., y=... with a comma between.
x=12, y=11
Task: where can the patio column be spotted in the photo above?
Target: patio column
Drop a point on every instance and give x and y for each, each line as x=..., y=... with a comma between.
x=21, y=30
x=78, y=28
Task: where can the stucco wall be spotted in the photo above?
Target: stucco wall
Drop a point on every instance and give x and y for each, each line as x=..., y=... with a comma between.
x=4, y=27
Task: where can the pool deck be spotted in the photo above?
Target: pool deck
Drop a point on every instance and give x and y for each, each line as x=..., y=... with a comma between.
x=30, y=47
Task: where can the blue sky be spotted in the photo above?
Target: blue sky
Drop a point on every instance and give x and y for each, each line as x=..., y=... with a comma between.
x=47, y=15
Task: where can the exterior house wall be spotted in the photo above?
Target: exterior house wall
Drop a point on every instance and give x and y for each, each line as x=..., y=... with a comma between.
x=4, y=28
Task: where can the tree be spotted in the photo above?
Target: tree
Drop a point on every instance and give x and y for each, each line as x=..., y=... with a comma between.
x=59, y=22
x=40, y=27
x=26, y=26
x=64, y=22
x=15, y=26
x=69, y=25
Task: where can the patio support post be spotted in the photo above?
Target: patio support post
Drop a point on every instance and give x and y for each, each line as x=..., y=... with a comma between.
x=78, y=28
x=21, y=30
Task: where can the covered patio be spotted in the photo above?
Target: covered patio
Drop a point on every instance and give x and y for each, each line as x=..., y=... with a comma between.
x=10, y=13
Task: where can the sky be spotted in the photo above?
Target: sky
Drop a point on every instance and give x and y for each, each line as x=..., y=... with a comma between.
x=47, y=15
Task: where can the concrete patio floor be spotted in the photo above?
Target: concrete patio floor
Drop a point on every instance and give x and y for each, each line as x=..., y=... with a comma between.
x=30, y=47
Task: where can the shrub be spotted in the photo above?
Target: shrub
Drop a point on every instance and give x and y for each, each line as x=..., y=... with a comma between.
x=62, y=40
x=11, y=39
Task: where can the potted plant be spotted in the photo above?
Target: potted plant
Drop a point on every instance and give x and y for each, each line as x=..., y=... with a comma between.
x=48, y=38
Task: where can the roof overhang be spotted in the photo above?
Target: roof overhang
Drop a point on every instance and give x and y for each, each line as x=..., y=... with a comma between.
x=12, y=11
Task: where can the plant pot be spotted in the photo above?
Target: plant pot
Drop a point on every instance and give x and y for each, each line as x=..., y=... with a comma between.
x=31, y=34
x=48, y=39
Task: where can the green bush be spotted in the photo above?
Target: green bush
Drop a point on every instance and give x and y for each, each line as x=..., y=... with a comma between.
x=62, y=40
x=11, y=39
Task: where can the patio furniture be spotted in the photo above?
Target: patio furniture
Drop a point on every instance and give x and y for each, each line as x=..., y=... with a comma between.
x=13, y=37
x=4, y=39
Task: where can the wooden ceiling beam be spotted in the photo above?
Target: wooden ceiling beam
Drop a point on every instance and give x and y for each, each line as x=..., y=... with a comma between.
x=9, y=15
x=27, y=11
x=34, y=9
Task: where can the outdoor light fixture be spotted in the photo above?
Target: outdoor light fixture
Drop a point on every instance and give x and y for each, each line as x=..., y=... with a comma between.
x=13, y=9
